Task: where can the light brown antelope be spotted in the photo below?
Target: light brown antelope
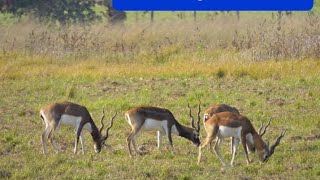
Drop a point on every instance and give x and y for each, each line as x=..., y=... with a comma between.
x=228, y=124
x=162, y=121
x=217, y=108
x=68, y=113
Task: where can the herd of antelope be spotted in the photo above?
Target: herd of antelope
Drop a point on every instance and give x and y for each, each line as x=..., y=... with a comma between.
x=220, y=121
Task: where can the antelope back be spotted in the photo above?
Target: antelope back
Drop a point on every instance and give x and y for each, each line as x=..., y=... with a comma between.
x=217, y=108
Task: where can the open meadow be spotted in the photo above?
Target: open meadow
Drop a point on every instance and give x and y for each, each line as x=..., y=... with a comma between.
x=264, y=68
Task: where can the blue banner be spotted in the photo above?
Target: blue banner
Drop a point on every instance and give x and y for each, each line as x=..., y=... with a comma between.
x=211, y=5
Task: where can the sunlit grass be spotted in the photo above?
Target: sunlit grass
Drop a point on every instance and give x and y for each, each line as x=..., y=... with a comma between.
x=26, y=67
x=252, y=87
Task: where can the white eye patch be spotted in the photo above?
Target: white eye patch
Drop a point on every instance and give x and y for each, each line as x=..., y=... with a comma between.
x=196, y=134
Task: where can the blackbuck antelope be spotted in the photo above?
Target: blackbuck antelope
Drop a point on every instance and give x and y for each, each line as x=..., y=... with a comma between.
x=228, y=124
x=77, y=116
x=161, y=120
x=217, y=108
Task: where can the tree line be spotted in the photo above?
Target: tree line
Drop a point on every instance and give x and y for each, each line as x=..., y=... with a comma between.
x=63, y=11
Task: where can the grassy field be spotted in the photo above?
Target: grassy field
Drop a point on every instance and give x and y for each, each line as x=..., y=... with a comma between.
x=265, y=71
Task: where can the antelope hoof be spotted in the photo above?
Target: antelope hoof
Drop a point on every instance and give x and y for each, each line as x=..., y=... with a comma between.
x=199, y=162
x=139, y=153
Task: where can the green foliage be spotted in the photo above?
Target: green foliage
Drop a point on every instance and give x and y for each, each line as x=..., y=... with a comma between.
x=62, y=11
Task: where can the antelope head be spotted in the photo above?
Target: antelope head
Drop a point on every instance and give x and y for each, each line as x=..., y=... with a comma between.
x=267, y=150
x=196, y=129
x=101, y=142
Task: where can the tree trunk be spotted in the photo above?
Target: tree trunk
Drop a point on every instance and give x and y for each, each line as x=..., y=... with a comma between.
x=152, y=16
x=238, y=15
x=279, y=19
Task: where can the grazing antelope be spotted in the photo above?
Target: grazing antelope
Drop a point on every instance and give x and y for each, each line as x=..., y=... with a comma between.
x=216, y=108
x=77, y=116
x=161, y=120
x=228, y=124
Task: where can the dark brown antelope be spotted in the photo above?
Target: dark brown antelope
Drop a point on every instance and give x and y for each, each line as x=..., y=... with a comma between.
x=227, y=124
x=68, y=113
x=162, y=121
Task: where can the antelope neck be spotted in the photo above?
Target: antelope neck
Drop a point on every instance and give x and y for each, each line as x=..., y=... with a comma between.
x=95, y=133
x=184, y=131
x=258, y=142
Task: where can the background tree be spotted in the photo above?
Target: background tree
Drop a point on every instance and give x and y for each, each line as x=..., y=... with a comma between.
x=59, y=10
x=7, y=5
x=114, y=16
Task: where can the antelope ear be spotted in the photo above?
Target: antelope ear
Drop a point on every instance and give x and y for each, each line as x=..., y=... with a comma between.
x=267, y=143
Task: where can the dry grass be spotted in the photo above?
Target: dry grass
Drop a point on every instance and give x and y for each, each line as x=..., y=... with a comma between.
x=252, y=38
x=221, y=47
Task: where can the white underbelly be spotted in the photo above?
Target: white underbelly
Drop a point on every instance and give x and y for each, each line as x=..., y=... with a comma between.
x=74, y=121
x=70, y=120
x=225, y=132
x=158, y=125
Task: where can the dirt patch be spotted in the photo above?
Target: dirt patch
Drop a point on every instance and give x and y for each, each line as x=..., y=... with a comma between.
x=300, y=167
x=278, y=102
x=306, y=138
x=296, y=138
x=26, y=113
x=114, y=87
x=146, y=148
x=313, y=137
x=178, y=94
